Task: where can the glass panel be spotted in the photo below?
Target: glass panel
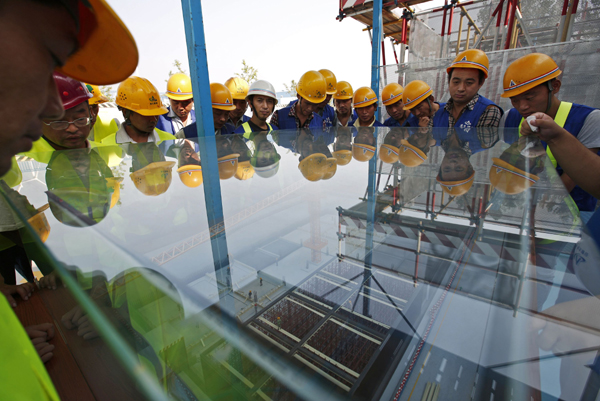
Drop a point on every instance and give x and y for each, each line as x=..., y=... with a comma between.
x=453, y=274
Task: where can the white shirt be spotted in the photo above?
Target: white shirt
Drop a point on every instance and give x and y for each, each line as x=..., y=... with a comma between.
x=123, y=137
x=176, y=121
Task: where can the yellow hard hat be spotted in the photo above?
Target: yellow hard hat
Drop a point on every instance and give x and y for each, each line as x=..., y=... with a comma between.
x=343, y=91
x=313, y=167
x=221, y=97
x=343, y=157
x=244, y=171
x=528, y=72
x=331, y=81
x=457, y=188
x=179, y=87
x=154, y=179
x=410, y=155
x=414, y=93
x=508, y=179
x=238, y=88
x=102, y=39
x=115, y=184
x=97, y=96
x=139, y=95
x=363, y=97
x=388, y=153
x=392, y=93
x=40, y=225
x=190, y=175
x=312, y=87
x=472, y=58
x=228, y=166
x=330, y=168
x=362, y=153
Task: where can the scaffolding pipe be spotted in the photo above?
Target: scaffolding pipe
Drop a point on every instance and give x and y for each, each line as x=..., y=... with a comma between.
x=443, y=27
x=509, y=23
x=394, y=49
x=563, y=16
x=523, y=27
x=449, y=35
x=572, y=22
x=460, y=26
x=468, y=36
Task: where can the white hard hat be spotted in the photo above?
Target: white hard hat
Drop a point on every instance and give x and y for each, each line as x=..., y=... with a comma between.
x=263, y=88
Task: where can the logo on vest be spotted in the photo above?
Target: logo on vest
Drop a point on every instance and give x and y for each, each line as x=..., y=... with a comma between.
x=466, y=126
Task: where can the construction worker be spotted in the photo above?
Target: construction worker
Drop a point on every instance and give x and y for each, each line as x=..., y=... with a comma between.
x=265, y=159
x=365, y=105
x=342, y=101
x=140, y=103
x=262, y=100
x=391, y=97
x=466, y=108
x=418, y=98
x=531, y=82
x=324, y=109
x=363, y=148
x=312, y=91
x=222, y=105
x=456, y=174
x=35, y=39
x=181, y=99
x=100, y=126
x=239, y=90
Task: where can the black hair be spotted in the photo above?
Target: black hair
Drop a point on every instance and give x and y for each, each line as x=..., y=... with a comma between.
x=481, y=76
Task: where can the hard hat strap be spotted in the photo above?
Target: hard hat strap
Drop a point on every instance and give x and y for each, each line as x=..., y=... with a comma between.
x=549, y=83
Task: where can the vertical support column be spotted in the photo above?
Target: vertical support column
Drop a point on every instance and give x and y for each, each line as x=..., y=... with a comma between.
x=194, y=32
x=460, y=26
x=509, y=21
x=448, y=39
x=376, y=49
x=498, y=13
x=444, y=28
x=561, y=25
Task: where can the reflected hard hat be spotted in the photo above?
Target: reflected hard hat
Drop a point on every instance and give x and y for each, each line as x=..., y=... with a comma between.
x=179, y=87
x=262, y=88
x=102, y=39
x=363, y=97
x=343, y=157
x=238, y=88
x=410, y=155
x=414, y=93
x=343, y=91
x=190, y=175
x=139, y=95
x=508, y=179
x=388, y=153
x=40, y=225
x=472, y=58
x=362, y=153
x=154, y=179
x=528, y=72
x=313, y=167
x=312, y=87
x=228, y=166
x=115, y=184
x=330, y=168
x=97, y=96
x=457, y=188
x=392, y=93
x=72, y=92
x=244, y=171
x=330, y=80
x=267, y=171
x=221, y=97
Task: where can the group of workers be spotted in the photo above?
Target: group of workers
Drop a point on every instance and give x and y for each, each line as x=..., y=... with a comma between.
x=49, y=49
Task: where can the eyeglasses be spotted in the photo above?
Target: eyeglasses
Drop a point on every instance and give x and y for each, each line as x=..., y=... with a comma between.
x=62, y=125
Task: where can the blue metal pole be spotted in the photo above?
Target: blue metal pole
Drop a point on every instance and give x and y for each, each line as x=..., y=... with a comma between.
x=376, y=48
x=196, y=44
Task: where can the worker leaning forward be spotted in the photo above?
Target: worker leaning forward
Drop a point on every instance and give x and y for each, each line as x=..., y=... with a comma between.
x=261, y=99
x=531, y=82
x=100, y=127
x=365, y=105
x=418, y=98
x=324, y=109
x=391, y=97
x=342, y=101
x=222, y=105
x=239, y=91
x=181, y=99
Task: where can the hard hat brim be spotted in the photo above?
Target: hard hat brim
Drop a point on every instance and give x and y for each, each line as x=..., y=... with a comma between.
x=185, y=96
x=159, y=111
x=109, y=55
x=524, y=88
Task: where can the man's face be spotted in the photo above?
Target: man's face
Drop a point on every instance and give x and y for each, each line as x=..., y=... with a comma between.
x=396, y=110
x=266, y=154
x=263, y=106
x=143, y=123
x=182, y=108
x=306, y=108
x=535, y=100
x=35, y=40
x=395, y=136
x=324, y=103
x=366, y=114
x=72, y=137
x=464, y=84
x=455, y=165
x=343, y=106
x=240, y=109
x=423, y=109
x=220, y=118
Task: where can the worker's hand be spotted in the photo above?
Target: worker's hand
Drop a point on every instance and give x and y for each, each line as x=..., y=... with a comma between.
x=76, y=318
x=40, y=334
x=71, y=318
x=22, y=290
x=51, y=281
x=548, y=129
x=423, y=122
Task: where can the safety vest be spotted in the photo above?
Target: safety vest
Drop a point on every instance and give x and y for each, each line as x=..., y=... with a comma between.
x=571, y=117
x=103, y=128
x=286, y=121
x=22, y=373
x=162, y=136
x=248, y=129
x=165, y=123
x=467, y=120
x=191, y=133
x=41, y=151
